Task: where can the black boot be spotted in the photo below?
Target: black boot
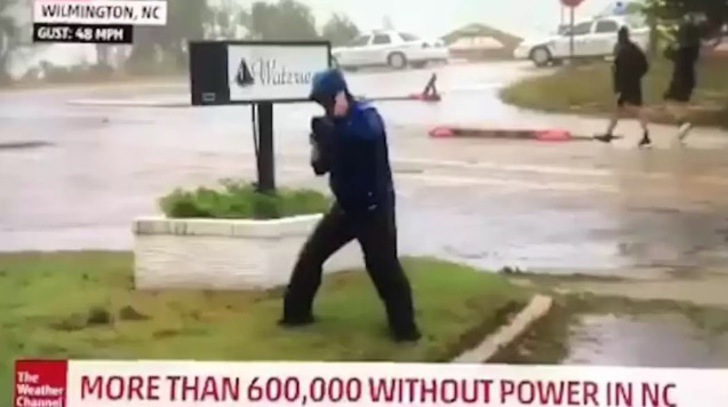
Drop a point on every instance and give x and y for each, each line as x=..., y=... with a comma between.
x=297, y=321
x=296, y=311
x=400, y=316
x=411, y=334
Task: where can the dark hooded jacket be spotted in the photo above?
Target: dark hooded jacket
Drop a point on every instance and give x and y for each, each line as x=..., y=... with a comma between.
x=687, y=50
x=630, y=65
x=360, y=176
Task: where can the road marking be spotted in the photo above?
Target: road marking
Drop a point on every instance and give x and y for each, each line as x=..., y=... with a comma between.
x=548, y=186
x=506, y=167
x=449, y=180
x=432, y=179
x=474, y=87
x=171, y=102
x=542, y=169
x=554, y=170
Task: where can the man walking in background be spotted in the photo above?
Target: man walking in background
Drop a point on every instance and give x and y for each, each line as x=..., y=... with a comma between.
x=684, y=54
x=350, y=143
x=630, y=66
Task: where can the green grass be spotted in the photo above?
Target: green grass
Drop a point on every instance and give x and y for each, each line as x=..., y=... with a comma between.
x=82, y=305
x=587, y=89
x=240, y=200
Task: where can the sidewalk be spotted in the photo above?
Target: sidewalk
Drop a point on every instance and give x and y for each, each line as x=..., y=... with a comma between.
x=705, y=290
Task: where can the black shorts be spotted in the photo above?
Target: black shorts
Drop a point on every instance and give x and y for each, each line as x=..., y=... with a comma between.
x=631, y=97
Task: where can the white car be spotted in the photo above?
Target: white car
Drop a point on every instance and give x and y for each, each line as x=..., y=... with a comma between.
x=592, y=39
x=389, y=48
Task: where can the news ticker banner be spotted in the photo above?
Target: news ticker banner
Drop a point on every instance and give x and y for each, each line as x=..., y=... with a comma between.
x=227, y=384
x=94, y=21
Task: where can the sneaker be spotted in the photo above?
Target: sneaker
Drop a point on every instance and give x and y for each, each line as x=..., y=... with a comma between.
x=604, y=138
x=645, y=142
x=683, y=131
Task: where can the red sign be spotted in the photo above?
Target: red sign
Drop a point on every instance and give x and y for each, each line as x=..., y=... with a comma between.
x=571, y=3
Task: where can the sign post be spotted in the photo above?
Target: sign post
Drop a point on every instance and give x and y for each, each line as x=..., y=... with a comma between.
x=571, y=34
x=265, y=159
x=571, y=4
x=259, y=74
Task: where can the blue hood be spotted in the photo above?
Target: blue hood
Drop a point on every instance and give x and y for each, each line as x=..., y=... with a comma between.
x=328, y=83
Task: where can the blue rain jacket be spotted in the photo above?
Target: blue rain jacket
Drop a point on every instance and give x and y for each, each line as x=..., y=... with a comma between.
x=360, y=175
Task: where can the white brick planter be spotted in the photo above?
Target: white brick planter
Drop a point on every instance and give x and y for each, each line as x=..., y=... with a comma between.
x=225, y=254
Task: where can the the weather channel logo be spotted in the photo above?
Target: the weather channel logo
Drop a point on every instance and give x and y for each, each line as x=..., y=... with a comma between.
x=140, y=12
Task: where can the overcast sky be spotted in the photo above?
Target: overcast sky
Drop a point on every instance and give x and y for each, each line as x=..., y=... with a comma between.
x=431, y=18
x=438, y=17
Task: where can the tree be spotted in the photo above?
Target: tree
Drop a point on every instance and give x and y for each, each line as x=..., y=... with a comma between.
x=671, y=10
x=186, y=20
x=663, y=17
x=228, y=18
x=285, y=20
x=9, y=38
x=340, y=30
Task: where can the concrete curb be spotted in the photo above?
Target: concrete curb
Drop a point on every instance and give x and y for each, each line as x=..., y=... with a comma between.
x=129, y=103
x=536, y=309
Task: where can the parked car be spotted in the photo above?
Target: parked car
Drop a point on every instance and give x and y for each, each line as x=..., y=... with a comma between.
x=389, y=48
x=595, y=38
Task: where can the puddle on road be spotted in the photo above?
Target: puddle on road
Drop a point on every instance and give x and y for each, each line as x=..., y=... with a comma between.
x=611, y=331
x=661, y=340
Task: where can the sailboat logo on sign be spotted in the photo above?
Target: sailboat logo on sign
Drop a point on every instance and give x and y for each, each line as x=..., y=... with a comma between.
x=244, y=77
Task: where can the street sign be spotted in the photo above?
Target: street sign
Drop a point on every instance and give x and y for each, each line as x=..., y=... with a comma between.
x=256, y=73
x=571, y=3
x=240, y=72
x=621, y=8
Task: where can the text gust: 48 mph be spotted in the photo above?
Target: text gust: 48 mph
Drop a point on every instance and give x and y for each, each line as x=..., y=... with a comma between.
x=83, y=33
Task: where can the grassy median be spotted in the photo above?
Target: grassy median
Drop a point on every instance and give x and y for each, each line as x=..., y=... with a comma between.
x=587, y=89
x=82, y=305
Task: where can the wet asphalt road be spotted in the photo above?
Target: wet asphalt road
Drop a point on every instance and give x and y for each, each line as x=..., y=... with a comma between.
x=659, y=340
x=552, y=207
x=555, y=207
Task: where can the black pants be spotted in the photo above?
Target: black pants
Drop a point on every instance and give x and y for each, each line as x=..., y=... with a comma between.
x=682, y=84
x=377, y=236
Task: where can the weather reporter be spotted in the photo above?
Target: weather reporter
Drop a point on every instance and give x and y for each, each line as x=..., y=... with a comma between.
x=350, y=144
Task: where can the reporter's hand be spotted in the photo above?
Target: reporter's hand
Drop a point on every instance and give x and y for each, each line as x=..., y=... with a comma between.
x=315, y=152
x=321, y=126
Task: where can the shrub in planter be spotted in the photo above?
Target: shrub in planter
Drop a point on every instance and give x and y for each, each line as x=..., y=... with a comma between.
x=240, y=200
x=232, y=237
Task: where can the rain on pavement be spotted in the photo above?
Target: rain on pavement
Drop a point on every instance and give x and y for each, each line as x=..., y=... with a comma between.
x=551, y=207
